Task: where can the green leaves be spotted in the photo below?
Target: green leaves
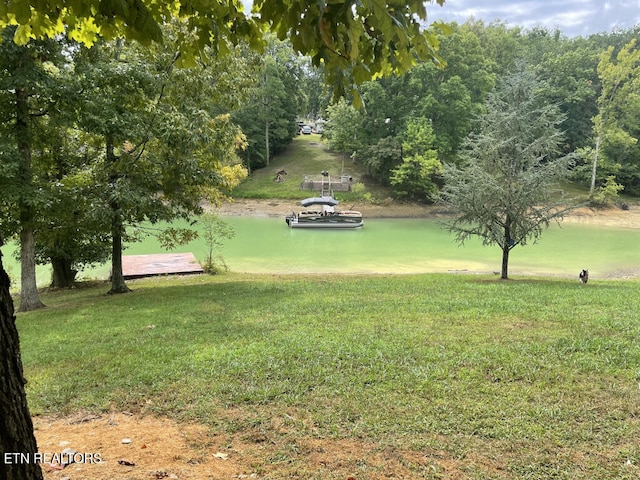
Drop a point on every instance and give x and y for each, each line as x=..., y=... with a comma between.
x=503, y=192
x=354, y=41
x=616, y=124
x=21, y=11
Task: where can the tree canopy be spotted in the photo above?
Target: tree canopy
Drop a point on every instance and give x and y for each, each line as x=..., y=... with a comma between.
x=616, y=124
x=355, y=41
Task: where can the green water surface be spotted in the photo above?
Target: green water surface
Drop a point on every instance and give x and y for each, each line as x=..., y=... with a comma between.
x=267, y=245
x=418, y=245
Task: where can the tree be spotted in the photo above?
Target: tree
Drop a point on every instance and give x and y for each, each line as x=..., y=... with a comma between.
x=503, y=192
x=343, y=131
x=158, y=147
x=618, y=105
x=416, y=177
x=26, y=80
x=214, y=230
x=69, y=235
x=16, y=427
x=118, y=90
x=354, y=41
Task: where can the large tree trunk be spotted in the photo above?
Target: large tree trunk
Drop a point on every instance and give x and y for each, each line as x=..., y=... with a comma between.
x=118, y=284
x=63, y=274
x=29, y=297
x=16, y=427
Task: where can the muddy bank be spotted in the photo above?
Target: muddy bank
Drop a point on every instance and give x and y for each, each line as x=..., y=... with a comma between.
x=279, y=208
x=614, y=217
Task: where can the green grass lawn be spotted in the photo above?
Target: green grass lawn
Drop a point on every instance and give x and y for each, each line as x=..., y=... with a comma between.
x=307, y=155
x=530, y=378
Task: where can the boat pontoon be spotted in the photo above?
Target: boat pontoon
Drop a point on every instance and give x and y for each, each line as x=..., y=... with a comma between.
x=321, y=213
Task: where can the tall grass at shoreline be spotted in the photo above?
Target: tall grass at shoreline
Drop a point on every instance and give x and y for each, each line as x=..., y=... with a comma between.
x=538, y=376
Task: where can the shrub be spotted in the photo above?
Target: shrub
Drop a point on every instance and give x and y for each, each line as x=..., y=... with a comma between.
x=607, y=194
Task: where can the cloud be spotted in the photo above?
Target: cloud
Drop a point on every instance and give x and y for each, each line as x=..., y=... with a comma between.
x=572, y=17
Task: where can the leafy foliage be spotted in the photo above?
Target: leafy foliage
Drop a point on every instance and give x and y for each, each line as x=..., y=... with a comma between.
x=607, y=194
x=503, y=190
x=158, y=151
x=616, y=124
x=344, y=132
x=416, y=177
x=214, y=230
x=355, y=42
x=269, y=118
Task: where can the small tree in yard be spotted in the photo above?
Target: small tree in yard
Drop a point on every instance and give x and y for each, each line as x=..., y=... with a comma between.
x=214, y=229
x=504, y=189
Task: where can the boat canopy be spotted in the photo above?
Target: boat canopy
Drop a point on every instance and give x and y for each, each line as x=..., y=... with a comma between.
x=319, y=201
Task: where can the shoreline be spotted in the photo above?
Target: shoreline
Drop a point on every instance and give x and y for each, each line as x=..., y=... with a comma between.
x=278, y=208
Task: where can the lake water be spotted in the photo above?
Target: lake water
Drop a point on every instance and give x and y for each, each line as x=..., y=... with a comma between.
x=267, y=245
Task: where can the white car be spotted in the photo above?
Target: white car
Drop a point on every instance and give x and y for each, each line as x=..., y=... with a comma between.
x=306, y=130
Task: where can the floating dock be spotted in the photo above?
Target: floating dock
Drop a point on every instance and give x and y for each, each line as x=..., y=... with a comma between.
x=140, y=266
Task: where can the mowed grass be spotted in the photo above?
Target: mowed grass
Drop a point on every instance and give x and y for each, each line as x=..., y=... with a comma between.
x=528, y=378
x=307, y=155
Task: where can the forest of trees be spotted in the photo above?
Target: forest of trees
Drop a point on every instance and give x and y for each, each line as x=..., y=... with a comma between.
x=594, y=81
x=107, y=138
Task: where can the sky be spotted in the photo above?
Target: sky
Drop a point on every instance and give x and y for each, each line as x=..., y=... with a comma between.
x=572, y=17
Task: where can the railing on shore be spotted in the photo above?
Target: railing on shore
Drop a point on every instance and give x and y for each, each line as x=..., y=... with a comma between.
x=321, y=184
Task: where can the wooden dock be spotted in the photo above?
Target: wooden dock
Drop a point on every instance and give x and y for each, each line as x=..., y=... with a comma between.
x=140, y=266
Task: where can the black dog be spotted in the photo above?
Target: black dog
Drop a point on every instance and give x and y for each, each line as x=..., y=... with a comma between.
x=584, y=276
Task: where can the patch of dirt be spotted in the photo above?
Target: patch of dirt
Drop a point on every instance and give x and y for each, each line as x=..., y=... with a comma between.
x=159, y=448
x=125, y=446
x=280, y=208
x=611, y=217
x=615, y=217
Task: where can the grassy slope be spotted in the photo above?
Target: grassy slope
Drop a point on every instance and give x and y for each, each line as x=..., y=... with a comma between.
x=531, y=378
x=307, y=155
